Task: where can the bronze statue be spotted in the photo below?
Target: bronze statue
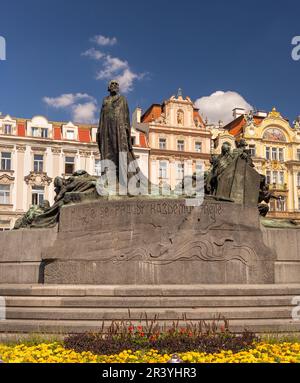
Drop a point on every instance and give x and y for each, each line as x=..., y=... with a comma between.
x=242, y=152
x=33, y=212
x=218, y=165
x=76, y=188
x=114, y=131
x=265, y=196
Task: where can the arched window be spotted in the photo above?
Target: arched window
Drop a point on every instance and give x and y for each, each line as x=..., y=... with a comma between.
x=274, y=134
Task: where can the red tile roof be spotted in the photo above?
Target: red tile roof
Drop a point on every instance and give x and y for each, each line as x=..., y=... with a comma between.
x=57, y=133
x=21, y=129
x=84, y=134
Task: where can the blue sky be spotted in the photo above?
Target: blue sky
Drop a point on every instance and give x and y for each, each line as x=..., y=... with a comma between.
x=155, y=46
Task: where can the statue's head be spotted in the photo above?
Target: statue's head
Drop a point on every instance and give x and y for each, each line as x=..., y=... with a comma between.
x=242, y=143
x=226, y=147
x=45, y=204
x=113, y=87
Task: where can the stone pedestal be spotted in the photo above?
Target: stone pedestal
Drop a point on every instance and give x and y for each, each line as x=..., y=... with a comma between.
x=134, y=241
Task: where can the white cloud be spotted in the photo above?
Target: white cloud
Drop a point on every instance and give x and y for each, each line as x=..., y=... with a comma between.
x=66, y=99
x=93, y=54
x=219, y=105
x=104, y=41
x=114, y=67
x=81, y=106
x=111, y=66
x=127, y=78
x=84, y=113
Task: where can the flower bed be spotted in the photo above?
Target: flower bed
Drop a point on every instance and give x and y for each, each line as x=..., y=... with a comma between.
x=56, y=353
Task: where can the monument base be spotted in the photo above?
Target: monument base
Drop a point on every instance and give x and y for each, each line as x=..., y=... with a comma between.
x=159, y=241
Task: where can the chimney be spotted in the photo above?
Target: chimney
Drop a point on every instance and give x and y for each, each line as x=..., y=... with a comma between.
x=237, y=112
x=137, y=115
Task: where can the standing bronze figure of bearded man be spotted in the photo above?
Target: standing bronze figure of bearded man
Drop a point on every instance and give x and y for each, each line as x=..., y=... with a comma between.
x=114, y=131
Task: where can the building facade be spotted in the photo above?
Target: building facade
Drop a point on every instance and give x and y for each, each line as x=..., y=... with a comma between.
x=178, y=139
x=275, y=148
x=34, y=151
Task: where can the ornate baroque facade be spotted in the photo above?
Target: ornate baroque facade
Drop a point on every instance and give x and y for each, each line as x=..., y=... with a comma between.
x=275, y=147
x=33, y=152
x=178, y=138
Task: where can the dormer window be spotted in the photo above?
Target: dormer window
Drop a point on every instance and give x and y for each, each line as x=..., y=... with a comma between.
x=39, y=127
x=70, y=131
x=7, y=129
x=35, y=132
x=44, y=133
x=70, y=135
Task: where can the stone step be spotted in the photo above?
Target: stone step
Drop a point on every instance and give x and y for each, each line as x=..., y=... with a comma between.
x=63, y=309
x=154, y=302
x=101, y=314
x=148, y=290
x=65, y=327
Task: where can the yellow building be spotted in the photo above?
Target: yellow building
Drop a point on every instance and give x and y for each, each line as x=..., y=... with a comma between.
x=275, y=148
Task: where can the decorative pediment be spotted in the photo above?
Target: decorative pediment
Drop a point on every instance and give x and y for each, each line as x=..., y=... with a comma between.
x=38, y=179
x=6, y=179
x=274, y=114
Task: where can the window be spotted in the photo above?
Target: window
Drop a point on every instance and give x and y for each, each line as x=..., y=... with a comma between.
x=274, y=154
x=133, y=140
x=180, y=145
x=298, y=203
x=198, y=147
x=268, y=177
x=180, y=171
x=281, y=204
x=35, y=132
x=275, y=177
x=5, y=161
x=162, y=143
x=7, y=129
x=37, y=195
x=268, y=153
x=199, y=168
x=163, y=166
x=4, y=229
x=69, y=165
x=298, y=179
x=44, y=133
x=5, y=194
x=281, y=155
x=281, y=178
x=38, y=163
x=298, y=154
x=70, y=135
x=252, y=150
x=98, y=167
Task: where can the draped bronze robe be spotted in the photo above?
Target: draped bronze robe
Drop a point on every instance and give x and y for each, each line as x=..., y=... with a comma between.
x=114, y=132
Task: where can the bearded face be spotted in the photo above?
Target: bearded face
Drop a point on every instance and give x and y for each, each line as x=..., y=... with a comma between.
x=113, y=87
